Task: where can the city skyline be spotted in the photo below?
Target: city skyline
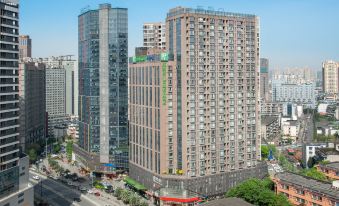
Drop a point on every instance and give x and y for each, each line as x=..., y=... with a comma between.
x=310, y=45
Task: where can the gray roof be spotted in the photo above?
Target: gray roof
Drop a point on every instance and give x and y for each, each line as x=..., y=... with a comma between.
x=321, y=187
x=332, y=165
x=232, y=201
x=268, y=119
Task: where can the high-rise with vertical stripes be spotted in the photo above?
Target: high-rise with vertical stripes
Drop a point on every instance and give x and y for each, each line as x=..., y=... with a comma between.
x=195, y=124
x=103, y=67
x=14, y=186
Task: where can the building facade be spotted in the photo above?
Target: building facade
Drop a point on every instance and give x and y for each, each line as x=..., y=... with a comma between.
x=270, y=127
x=304, y=190
x=330, y=77
x=103, y=98
x=32, y=94
x=264, y=87
x=14, y=187
x=204, y=118
x=55, y=97
x=154, y=35
x=284, y=92
x=71, y=82
x=25, y=46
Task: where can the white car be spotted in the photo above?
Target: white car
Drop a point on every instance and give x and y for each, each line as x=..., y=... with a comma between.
x=36, y=177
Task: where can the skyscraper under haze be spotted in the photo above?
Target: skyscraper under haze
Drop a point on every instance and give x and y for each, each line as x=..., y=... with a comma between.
x=103, y=67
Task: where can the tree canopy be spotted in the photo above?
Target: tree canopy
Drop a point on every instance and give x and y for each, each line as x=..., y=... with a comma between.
x=313, y=173
x=258, y=192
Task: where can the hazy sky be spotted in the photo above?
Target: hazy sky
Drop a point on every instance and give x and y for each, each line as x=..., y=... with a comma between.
x=294, y=33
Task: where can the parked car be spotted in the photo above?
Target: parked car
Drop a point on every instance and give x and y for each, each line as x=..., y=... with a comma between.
x=36, y=177
x=77, y=199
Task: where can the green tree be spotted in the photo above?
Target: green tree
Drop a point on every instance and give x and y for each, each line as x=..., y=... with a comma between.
x=310, y=162
x=313, y=173
x=134, y=200
x=118, y=192
x=257, y=192
x=125, y=196
x=32, y=155
x=143, y=203
x=56, y=148
x=264, y=151
x=69, y=150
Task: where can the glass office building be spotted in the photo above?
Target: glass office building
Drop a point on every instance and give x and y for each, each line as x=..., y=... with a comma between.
x=103, y=42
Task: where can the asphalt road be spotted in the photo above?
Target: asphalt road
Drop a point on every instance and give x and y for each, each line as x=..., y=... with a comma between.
x=58, y=194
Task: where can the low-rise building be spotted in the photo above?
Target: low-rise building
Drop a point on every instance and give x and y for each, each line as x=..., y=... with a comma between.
x=301, y=190
x=309, y=151
x=331, y=170
x=290, y=129
x=329, y=154
x=270, y=126
x=268, y=108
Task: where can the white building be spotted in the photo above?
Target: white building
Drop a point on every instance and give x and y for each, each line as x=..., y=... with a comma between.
x=286, y=92
x=309, y=151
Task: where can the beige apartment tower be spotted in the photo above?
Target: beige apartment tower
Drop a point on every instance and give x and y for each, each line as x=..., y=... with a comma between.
x=154, y=35
x=194, y=123
x=331, y=77
x=25, y=46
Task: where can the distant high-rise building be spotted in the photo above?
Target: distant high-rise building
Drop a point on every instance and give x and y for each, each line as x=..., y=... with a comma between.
x=194, y=111
x=25, y=46
x=264, y=87
x=319, y=79
x=71, y=82
x=284, y=92
x=330, y=77
x=155, y=35
x=32, y=88
x=55, y=97
x=103, y=96
x=14, y=186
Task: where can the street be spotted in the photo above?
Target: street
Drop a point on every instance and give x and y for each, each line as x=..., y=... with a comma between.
x=58, y=194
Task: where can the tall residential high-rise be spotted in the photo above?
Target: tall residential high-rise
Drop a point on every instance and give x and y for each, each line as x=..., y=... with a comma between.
x=14, y=186
x=194, y=122
x=25, y=46
x=55, y=97
x=103, y=96
x=330, y=77
x=32, y=88
x=264, y=87
x=154, y=35
x=71, y=82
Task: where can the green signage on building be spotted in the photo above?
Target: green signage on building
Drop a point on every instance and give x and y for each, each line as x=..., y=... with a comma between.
x=164, y=57
x=137, y=59
x=164, y=86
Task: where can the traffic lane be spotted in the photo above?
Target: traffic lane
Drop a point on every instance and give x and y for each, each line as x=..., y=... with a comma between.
x=50, y=196
x=53, y=194
x=65, y=191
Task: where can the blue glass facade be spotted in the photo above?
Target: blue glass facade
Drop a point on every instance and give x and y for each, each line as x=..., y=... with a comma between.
x=103, y=66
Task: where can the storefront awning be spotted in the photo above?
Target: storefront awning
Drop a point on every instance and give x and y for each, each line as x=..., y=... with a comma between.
x=133, y=183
